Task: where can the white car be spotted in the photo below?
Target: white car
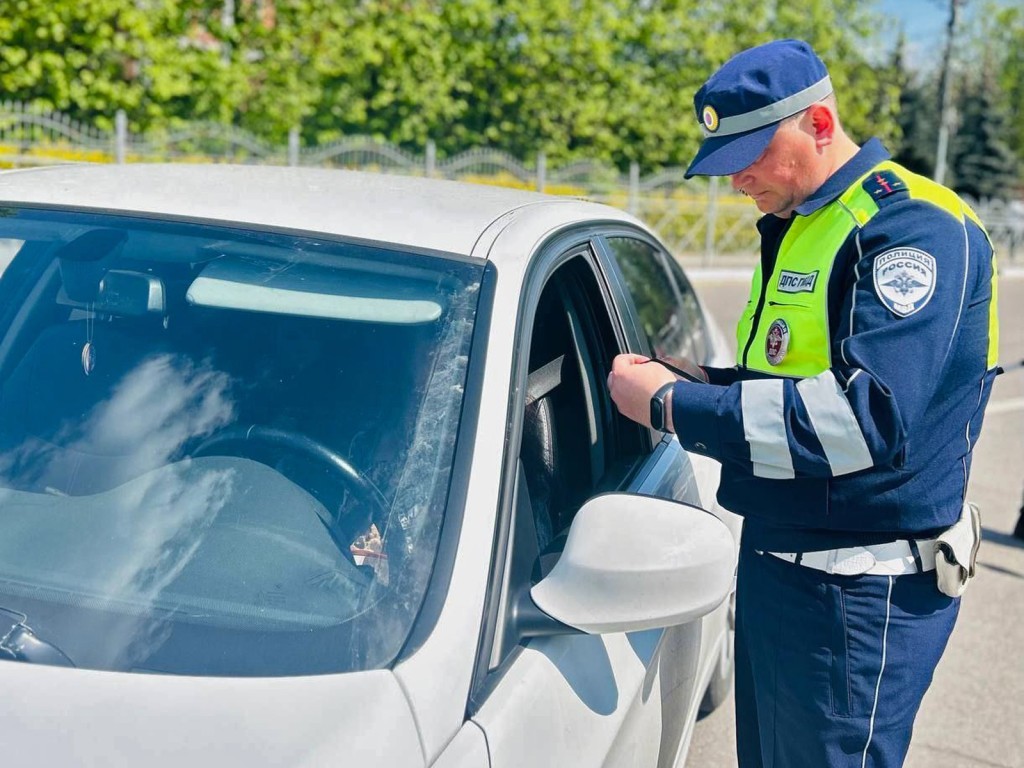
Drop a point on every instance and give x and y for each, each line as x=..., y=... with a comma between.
x=310, y=467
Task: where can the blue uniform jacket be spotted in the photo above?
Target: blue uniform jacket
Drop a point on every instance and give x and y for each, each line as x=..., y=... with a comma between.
x=917, y=386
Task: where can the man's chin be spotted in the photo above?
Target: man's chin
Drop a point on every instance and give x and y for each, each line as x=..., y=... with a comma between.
x=768, y=204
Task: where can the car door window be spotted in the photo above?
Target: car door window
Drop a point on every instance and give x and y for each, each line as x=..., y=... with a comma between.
x=666, y=307
x=574, y=443
x=692, y=313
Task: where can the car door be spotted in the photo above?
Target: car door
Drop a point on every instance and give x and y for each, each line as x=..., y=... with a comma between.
x=575, y=699
x=669, y=320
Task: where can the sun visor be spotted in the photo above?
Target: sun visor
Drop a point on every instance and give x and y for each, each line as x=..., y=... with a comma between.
x=312, y=290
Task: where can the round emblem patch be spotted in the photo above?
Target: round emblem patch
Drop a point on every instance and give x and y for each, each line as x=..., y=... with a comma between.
x=904, y=279
x=776, y=343
x=710, y=118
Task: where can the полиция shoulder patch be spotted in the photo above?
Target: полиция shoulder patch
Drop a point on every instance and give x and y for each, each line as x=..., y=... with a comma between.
x=904, y=279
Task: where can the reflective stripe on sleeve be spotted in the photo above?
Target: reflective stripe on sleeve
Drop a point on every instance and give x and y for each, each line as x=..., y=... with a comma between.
x=834, y=423
x=765, y=429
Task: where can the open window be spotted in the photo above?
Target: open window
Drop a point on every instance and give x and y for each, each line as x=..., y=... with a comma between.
x=575, y=444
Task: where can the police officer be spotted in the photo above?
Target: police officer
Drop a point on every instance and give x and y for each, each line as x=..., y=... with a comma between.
x=865, y=357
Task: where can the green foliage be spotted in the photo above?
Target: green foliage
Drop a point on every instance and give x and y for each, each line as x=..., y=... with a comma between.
x=1010, y=21
x=381, y=71
x=82, y=57
x=994, y=53
x=605, y=80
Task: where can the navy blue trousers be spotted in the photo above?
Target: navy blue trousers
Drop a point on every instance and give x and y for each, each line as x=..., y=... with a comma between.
x=831, y=670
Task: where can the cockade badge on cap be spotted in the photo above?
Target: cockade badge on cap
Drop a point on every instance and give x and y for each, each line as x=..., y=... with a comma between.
x=710, y=118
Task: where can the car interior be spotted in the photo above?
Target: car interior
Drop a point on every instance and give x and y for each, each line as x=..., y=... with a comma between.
x=137, y=370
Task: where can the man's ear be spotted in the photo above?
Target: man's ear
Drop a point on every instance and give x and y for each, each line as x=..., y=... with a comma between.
x=823, y=124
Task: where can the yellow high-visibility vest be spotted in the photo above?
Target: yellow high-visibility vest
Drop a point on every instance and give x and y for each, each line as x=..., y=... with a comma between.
x=786, y=331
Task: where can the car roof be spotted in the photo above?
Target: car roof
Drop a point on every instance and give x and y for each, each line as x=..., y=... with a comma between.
x=418, y=212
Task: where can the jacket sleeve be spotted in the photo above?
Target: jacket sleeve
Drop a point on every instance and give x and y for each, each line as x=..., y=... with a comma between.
x=889, y=350
x=722, y=376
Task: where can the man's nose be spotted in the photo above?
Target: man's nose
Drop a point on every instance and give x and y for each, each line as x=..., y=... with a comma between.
x=738, y=179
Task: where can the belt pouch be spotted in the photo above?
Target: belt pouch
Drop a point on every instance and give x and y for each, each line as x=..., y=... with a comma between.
x=956, y=550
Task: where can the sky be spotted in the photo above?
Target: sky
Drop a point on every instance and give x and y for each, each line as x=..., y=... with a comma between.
x=924, y=22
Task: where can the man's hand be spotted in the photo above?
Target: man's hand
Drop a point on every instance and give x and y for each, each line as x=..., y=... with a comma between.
x=633, y=381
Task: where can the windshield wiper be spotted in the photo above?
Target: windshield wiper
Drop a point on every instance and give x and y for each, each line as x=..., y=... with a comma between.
x=20, y=643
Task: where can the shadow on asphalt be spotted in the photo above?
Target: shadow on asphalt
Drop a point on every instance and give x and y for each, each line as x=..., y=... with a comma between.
x=1000, y=569
x=998, y=537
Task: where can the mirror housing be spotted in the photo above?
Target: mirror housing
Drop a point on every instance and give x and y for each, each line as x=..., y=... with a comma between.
x=680, y=567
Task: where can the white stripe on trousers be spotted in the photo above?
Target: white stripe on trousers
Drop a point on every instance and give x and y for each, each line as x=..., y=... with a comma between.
x=878, y=683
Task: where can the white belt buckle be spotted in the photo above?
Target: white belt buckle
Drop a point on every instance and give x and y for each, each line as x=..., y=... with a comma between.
x=851, y=561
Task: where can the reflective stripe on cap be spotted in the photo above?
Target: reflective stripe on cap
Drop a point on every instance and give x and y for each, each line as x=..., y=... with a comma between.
x=779, y=110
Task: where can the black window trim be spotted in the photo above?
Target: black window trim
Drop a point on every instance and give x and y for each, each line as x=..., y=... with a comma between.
x=627, y=307
x=554, y=253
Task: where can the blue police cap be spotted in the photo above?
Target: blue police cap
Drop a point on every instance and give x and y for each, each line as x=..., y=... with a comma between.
x=740, y=106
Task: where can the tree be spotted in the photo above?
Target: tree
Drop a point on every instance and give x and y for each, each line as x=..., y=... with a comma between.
x=83, y=58
x=918, y=117
x=983, y=164
x=994, y=62
x=609, y=80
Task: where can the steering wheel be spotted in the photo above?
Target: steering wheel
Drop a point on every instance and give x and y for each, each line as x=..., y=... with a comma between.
x=246, y=441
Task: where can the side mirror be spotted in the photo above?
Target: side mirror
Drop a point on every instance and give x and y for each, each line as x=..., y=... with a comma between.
x=676, y=565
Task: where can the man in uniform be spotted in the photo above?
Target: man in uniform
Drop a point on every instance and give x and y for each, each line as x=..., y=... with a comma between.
x=864, y=362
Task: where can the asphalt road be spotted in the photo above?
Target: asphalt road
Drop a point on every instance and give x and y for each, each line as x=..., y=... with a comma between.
x=973, y=715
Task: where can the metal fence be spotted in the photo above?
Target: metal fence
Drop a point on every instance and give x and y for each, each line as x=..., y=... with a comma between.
x=700, y=219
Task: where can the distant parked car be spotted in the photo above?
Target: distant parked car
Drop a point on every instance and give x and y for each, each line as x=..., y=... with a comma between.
x=307, y=467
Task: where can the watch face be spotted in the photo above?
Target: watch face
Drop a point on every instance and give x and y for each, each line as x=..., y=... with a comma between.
x=657, y=413
x=658, y=407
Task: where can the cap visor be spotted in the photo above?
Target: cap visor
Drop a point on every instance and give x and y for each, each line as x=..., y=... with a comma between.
x=726, y=155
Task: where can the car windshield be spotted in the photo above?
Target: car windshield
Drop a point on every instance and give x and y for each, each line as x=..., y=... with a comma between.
x=222, y=451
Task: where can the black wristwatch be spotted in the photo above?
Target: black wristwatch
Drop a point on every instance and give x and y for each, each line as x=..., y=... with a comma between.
x=659, y=409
